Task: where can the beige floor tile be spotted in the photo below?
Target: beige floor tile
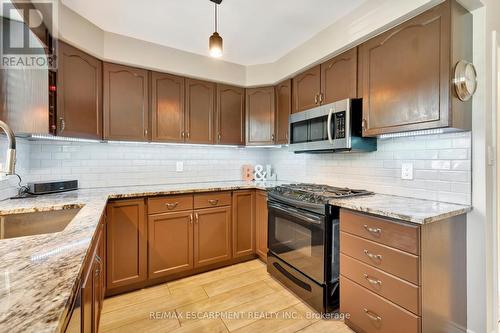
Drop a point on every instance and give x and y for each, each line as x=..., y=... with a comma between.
x=120, y=301
x=235, y=282
x=203, y=326
x=287, y=321
x=327, y=326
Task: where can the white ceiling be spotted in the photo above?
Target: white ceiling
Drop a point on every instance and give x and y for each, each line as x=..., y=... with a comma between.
x=254, y=31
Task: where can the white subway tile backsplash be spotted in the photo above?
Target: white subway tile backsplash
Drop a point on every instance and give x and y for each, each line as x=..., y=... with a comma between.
x=441, y=165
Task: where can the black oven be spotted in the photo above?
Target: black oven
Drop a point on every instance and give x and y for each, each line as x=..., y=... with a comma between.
x=304, y=251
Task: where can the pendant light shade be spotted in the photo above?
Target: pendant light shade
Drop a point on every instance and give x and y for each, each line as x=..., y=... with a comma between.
x=215, y=41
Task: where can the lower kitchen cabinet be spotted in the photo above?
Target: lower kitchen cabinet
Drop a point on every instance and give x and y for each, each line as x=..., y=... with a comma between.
x=212, y=235
x=261, y=224
x=243, y=223
x=126, y=243
x=170, y=243
x=87, y=304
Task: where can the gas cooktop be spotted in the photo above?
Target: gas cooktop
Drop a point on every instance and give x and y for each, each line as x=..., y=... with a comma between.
x=315, y=193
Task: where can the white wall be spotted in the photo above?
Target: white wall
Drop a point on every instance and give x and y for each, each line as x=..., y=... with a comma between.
x=442, y=167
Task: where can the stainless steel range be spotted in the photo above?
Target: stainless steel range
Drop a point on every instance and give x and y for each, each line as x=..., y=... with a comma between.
x=304, y=241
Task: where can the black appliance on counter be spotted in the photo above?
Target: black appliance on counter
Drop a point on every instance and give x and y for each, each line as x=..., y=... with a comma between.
x=303, y=241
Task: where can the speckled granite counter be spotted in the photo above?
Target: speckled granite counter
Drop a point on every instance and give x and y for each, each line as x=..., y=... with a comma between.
x=407, y=209
x=38, y=274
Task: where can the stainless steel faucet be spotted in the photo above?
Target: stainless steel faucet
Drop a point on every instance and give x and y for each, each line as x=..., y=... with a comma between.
x=10, y=163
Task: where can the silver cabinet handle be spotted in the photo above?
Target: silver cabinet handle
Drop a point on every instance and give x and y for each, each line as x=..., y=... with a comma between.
x=372, y=280
x=191, y=218
x=364, y=124
x=372, y=315
x=219, y=136
x=213, y=202
x=316, y=99
x=172, y=205
x=272, y=137
x=188, y=135
x=372, y=256
x=63, y=124
x=182, y=134
x=320, y=98
x=196, y=218
x=145, y=132
x=376, y=231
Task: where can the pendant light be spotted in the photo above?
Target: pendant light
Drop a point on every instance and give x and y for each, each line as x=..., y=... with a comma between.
x=215, y=41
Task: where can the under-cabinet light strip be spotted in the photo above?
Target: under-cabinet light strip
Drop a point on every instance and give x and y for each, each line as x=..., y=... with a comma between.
x=412, y=133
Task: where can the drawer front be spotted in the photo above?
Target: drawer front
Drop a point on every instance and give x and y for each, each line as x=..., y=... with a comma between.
x=172, y=203
x=372, y=313
x=391, y=233
x=215, y=199
x=402, y=264
x=394, y=289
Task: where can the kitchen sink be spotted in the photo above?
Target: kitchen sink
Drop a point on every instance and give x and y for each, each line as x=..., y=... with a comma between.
x=28, y=224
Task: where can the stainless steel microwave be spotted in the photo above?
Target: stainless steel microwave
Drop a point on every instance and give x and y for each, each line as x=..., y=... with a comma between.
x=334, y=127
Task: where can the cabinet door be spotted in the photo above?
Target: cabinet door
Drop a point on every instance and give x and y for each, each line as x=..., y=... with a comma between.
x=126, y=243
x=230, y=129
x=200, y=103
x=339, y=78
x=243, y=223
x=283, y=110
x=167, y=107
x=212, y=235
x=170, y=243
x=79, y=94
x=306, y=89
x=126, y=102
x=406, y=74
x=261, y=224
x=260, y=115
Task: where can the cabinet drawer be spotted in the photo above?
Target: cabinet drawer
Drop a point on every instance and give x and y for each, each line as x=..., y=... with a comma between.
x=402, y=264
x=372, y=313
x=215, y=199
x=173, y=203
x=394, y=234
x=394, y=289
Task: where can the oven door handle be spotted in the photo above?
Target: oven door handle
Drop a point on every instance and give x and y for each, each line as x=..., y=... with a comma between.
x=299, y=215
x=329, y=125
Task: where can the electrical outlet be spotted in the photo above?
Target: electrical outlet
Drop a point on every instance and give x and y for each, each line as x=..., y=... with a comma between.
x=179, y=166
x=407, y=171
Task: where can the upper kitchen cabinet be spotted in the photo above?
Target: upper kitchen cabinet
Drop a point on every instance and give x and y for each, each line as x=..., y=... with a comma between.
x=167, y=107
x=306, y=89
x=260, y=116
x=407, y=73
x=339, y=77
x=79, y=94
x=126, y=102
x=199, y=116
x=230, y=120
x=283, y=109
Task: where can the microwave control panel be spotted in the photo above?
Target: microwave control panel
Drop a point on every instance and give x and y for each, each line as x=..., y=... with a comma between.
x=339, y=124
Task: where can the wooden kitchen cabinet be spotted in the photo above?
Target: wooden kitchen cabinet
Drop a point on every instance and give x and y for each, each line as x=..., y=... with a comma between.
x=126, y=243
x=407, y=73
x=125, y=103
x=260, y=116
x=230, y=119
x=212, y=235
x=283, y=92
x=306, y=89
x=261, y=223
x=167, y=107
x=243, y=223
x=170, y=243
x=339, y=78
x=397, y=276
x=200, y=107
x=79, y=93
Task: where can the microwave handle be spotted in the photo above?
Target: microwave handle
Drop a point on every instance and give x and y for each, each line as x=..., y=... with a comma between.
x=329, y=125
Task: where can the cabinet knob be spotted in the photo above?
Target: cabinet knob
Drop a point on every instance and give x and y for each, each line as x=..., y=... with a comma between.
x=320, y=98
x=364, y=124
x=272, y=137
x=316, y=99
x=63, y=124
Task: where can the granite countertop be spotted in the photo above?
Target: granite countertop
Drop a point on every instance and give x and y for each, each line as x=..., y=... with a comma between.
x=408, y=209
x=38, y=274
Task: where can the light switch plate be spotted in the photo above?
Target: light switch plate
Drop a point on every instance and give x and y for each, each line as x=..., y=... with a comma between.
x=407, y=171
x=179, y=166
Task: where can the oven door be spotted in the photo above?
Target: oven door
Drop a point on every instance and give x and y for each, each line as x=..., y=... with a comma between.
x=298, y=238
